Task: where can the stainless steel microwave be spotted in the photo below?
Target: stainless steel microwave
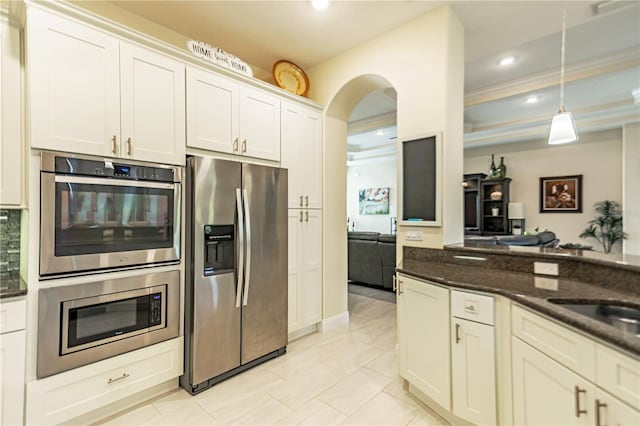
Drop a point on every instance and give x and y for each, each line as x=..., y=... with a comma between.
x=85, y=323
x=98, y=214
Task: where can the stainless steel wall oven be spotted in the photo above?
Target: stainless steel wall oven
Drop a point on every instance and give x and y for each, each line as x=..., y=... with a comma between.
x=98, y=214
x=85, y=323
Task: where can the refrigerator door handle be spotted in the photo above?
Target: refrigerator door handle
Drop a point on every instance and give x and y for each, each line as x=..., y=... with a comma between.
x=240, y=282
x=247, y=279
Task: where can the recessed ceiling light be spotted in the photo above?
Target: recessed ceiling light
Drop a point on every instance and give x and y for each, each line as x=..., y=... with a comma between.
x=533, y=99
x=507, y=60
x=320, y=4
x=379, y=133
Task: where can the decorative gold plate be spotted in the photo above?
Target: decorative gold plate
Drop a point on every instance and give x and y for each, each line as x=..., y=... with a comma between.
x=290, y=77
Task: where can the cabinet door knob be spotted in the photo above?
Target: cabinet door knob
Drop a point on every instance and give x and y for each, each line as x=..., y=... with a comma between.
x=577, y=392
x=300, y=216
x=113, y=144
x=235, y=145
x=301, y=201
x=128, y=146
x=395, y=286
x=244, y=146
x=306, y=201
x=457, y=333
x=306, y=216
x=400, y=287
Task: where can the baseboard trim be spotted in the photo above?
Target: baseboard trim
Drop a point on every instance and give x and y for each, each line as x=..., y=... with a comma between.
x=303, y=332
x=334, y=322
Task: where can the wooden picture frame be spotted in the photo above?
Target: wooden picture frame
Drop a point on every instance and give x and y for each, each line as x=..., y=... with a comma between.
x=561, y=194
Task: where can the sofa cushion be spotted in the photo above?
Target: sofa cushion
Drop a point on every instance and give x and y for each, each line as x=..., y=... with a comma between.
x=368, y=236
x=519, y=240
x=387, y=238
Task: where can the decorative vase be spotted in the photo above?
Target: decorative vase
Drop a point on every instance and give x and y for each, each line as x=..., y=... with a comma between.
x=496, y=195
x=492, y=168
x=495, y=211
x=501, y=171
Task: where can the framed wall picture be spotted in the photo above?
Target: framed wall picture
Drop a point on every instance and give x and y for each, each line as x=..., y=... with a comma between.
x=561, y=194
x=374, y=201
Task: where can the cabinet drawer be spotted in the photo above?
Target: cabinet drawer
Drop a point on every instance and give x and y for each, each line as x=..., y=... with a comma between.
x=65, y=396
x=13, y=315
x=472, y=306
x=618, y=374
x=556, y=341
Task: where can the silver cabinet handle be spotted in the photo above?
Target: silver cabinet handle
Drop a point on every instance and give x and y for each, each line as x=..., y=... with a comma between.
x=117, y=379
x=400, y=286
x=395, y=286
x=235, y=145
x=300, y=216
x=306, y=216
x=113, y=144
x=244, y=146
x=306, y=201
x=301, y=201
x=599, y=405
x=128, y=146
x=577, y=392
x=240, y=247
x=457, y=333
x=247, y=274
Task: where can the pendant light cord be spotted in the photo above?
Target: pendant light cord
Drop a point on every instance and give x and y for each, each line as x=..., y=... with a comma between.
x=564, y=36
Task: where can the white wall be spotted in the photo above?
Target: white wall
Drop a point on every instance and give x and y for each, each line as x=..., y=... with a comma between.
x=372, y=175
x=597, y=156
x=631, y=188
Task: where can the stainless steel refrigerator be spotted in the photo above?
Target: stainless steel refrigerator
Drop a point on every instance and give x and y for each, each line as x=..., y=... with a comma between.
x=236, y=269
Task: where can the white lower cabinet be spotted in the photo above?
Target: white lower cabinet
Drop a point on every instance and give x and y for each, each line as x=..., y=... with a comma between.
x=68, y=395
x=305, y=268
x=473, y=371
x=423, y=337
x=563, y=378
x=545, y=392
x=12, y=361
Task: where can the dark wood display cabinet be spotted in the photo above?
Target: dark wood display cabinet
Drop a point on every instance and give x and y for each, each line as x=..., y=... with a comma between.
x=472, y=203
x=494, y=194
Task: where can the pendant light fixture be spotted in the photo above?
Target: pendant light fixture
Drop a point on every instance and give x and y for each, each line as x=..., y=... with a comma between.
x=563, y=128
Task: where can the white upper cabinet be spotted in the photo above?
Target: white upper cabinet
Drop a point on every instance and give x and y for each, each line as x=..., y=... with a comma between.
x=212, y=112
x=153, y=111
x=90, y=93
x=302, y=154
x=11, y=161
x=229, y=117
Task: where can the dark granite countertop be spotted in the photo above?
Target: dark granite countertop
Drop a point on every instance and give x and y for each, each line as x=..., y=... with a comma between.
x=618, y=260
x=12, y=287
x=527, y=290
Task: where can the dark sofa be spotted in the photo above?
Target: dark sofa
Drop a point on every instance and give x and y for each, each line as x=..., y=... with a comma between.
x=541, y=239
x=372, y=258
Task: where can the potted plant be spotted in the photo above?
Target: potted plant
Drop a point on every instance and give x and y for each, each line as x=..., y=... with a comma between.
x=606, y=227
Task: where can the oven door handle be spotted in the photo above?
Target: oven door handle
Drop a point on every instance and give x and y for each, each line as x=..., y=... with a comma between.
x=112, y=182
x=240, y=282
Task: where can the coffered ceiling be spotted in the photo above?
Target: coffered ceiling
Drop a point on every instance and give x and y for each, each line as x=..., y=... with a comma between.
x=602, y=53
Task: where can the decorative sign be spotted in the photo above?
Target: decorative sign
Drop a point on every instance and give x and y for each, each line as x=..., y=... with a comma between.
x=219, y=57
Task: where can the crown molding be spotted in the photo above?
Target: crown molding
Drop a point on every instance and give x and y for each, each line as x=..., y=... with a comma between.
x=371, y=123
x=622, y=60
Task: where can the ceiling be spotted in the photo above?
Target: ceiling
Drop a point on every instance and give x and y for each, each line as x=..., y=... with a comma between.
x=602, y=54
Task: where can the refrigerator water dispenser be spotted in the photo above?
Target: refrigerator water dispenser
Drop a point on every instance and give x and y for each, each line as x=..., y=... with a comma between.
x=219, y=249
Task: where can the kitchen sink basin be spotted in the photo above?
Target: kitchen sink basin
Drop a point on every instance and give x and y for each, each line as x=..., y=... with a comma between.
x=621, y=315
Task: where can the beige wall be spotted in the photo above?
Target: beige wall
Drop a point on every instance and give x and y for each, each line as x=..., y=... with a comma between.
x=423, y=60
x=597, y=156
x=376, y=174
x=631, y=188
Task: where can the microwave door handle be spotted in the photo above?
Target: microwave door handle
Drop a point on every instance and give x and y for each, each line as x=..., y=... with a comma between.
x=240, y=282
x=112, y=182
x=247, y=279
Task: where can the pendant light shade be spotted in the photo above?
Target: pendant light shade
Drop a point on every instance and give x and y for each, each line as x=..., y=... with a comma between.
x=563, y=128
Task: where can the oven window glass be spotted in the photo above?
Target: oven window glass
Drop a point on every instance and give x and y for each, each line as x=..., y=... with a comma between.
x=104, y=320
x=106, y=218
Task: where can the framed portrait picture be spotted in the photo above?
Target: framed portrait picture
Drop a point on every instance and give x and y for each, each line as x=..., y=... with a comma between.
x=561, y=194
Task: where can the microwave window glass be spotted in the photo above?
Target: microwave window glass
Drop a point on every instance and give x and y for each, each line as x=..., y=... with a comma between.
x=108, y=218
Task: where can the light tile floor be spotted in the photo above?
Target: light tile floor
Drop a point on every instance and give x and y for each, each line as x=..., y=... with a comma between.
x=347, y=376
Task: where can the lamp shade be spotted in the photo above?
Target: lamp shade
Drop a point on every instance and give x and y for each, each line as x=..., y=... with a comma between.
x=563, y=129
x=516, y=211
